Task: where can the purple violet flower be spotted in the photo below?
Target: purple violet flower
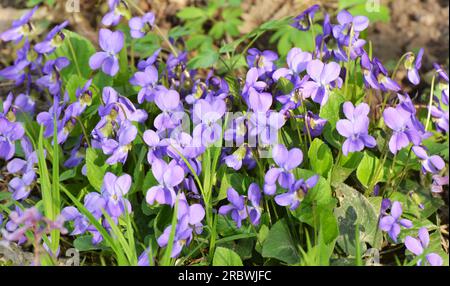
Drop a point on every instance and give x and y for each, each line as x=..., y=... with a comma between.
x=322, y=76
x=113, y=191
x=9, y=133
x=147, y=80
x=168, y=176
x=111, y=44
x=53, y=39
x=432, y=164
x=419, y=245
x=355, y=128
x=304, y=20
x=391, y=223
x=118, y=149
x=286, y=160
x=404, y=131
x=138, y=25
x=297, y=192
x=20, y=28
x=413, y=65
x=117, y=9
x=263, y=61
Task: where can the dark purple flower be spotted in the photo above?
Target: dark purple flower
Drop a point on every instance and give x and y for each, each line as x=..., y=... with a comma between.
x=119, y=108
x=20, y=28
x=304, y=20
x=391, y=223
x=142, y=65
x=53, y=39
x=262, y=61
x=168, y=176
x=94, y=203
x=51, y=79
x=297, y=191
x=413, y=65
x=315, y=124
x=418, y=246
x=9, y=133
x=118, y=149
x=432, y=164
x=76, y=156
x=322, y=76
x=111, y=44
x=355, y=128
x=236, y=208
x=286, y=160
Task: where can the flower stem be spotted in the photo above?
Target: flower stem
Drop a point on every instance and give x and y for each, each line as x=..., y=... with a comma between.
x=347, y=71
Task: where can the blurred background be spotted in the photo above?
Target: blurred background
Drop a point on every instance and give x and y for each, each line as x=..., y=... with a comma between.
x=396, y=26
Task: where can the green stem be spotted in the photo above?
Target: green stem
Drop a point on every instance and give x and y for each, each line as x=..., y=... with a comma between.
x=347, y=72
x=83, y=129
x=75, y=60
x=397, y=66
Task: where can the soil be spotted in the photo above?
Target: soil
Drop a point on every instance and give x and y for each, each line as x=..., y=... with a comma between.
x=414, y=24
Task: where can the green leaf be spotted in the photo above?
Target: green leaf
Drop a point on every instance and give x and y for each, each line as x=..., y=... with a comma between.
x=354, y=209
x=204, y=60
x=231, y=47
x=74, y=82
x=375, y=13
x=226, y=257
x=330, y=111
x=217, y=30
x=84, y=243
x=237, y=181
x=196, y=41
x=368, y=168
x=284, y=85
x=320, y=157
x=191, y=13
x=95, y=167
x=345, y=166
x=280, y=245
